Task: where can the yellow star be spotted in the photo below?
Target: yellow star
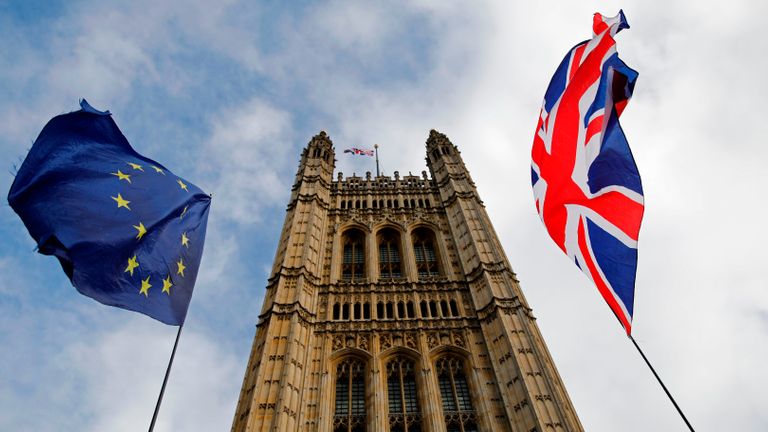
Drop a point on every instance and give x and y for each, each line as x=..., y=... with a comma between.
x=184, y=240
x=132, y=264
x=181, y=265
x=121, y=176
x=145, y=286
x=158, y=169
x=181, y=183
x=167, y=285
x=183, y=212
x=121, y=202
x=135, y=166
x=142, y=230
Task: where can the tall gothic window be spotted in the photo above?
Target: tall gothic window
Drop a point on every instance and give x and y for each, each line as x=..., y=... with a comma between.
x=454, y=392
x=353, y=264
x=424, y=249
x=404, y=415
x=349, y=414
x=390, y=265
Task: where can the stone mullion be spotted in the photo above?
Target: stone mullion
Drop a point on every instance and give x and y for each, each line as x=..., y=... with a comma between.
x=378, y=418
x=483, y=408
x=431, y=410
x=409, y=258
x=371, y=257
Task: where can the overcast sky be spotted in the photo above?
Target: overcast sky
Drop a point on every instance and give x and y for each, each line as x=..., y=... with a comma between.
x=227, y=93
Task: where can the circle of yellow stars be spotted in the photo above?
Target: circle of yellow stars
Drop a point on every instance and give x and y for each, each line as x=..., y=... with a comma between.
x=141, y=230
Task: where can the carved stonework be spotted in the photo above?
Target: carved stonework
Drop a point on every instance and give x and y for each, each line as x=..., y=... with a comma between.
x=410, y=340
x=432, y=341
x=353, y=340
x=458, y=340
x=354, y=311
x=385, y=341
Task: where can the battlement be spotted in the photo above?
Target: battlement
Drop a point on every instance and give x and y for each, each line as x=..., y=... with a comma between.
x=382, y=184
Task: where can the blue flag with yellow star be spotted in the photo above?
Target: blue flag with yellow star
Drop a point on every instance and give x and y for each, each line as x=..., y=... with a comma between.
x=127, y=231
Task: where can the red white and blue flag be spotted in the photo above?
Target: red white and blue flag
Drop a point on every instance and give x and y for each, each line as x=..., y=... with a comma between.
x=358, y=151
x=585, y=181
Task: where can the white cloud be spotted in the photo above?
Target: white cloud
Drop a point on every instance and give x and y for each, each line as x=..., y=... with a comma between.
x=246, y=157
x=121, y=372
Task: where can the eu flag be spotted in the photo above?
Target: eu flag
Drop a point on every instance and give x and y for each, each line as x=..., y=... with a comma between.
x=126, y=230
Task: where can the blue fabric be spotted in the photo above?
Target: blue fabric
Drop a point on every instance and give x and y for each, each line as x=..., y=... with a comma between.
x=617, y=261
x=129, y=236
x=615, y=164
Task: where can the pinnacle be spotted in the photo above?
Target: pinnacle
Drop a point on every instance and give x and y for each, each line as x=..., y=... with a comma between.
x=437, y=138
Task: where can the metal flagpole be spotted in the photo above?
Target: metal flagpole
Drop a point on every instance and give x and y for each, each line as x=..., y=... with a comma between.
x=376, y=148
x=662, y=384
x=165, y=380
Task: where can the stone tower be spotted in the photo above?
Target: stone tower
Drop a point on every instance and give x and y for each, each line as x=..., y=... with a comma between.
x=392, y=307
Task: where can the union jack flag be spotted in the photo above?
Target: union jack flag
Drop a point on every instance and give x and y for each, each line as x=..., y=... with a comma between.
x=358, y=151
x=585, y=181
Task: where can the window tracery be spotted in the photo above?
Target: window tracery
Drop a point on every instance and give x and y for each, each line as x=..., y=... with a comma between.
x=353, y=260
x=402, y=395
x=349, y=411
x=424, y=250
x=390, y=264
x=455, y=395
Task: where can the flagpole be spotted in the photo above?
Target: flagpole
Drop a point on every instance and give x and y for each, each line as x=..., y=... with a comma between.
x=662, y=384
x=165, y=380
x=376, y=149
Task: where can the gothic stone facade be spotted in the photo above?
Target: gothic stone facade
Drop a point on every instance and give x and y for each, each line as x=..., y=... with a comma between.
x=392, y=307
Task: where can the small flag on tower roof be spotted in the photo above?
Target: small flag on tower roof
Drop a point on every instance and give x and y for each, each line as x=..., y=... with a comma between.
x=126, y=230
x=358, y=151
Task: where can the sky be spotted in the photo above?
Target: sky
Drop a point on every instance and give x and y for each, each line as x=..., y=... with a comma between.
x=227, y=93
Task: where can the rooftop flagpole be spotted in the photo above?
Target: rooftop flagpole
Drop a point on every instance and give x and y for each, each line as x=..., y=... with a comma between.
x=679, y=411
x=165, y=380
x=376, y=149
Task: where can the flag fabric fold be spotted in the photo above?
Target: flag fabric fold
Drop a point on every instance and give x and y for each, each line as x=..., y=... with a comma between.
x=586, y=184
x=126, y=230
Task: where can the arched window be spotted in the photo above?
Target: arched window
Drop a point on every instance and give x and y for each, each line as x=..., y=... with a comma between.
x=444, y=309
x=390, y=265
x=336, y=308
x=404, y=415
x=454, y=392
x=411, y=312
x=424, y=312
x=454, y=308
x=349, y=414
x=424, y=249
x=353, y=264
